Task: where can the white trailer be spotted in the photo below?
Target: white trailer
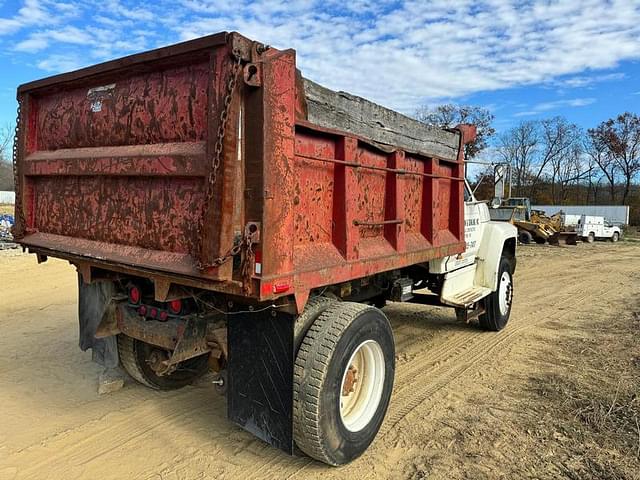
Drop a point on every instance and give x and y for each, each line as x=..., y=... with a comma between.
x=591, y=227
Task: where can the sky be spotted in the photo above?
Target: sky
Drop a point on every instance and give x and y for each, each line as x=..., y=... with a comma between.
x=522, y=59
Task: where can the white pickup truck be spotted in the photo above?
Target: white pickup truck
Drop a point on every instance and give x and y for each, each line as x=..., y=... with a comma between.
x=591, y=227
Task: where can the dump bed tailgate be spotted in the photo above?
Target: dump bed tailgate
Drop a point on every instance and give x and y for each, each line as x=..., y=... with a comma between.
x=113, y=158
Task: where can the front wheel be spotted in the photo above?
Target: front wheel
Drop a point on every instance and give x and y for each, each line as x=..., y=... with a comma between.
x=615, y=237
x=343, y=377
x=498, y=304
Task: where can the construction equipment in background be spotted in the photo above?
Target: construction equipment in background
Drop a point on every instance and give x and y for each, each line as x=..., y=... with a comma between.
x=533, y=225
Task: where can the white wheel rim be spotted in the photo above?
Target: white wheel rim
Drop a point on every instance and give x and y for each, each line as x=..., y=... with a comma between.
x=505, y=293
x=361, y=389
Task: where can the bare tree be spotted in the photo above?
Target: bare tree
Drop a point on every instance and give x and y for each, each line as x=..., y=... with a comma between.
x=561, y=152
x=597, y=150
x=518, y=147
x=569, y=169
x=558, y=136
x=619, y=140
x=450, y=115
x=6, y=169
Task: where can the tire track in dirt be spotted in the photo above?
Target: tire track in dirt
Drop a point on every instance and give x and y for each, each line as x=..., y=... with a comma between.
x=454, y=370
x=476, y=351
x=91, y=446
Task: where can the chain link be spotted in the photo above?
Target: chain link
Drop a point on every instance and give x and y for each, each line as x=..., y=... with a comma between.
x=20, y=225
x=215, y=166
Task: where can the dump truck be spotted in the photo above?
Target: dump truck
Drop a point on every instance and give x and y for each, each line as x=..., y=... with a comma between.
x=225, y=213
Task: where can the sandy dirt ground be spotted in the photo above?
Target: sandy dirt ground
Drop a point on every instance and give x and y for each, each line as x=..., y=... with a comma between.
x=554, y=395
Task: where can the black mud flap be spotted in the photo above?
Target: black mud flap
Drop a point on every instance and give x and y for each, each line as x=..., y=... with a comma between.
x=260, y=375
x=93, y=303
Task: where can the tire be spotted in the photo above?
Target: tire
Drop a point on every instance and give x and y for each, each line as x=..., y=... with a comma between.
x=327, y=425
x=525, y=238
x=497, y=309
x=590, y=238
x=540, y=240
x=615, y=237
x=312, y=310
x=134, y=353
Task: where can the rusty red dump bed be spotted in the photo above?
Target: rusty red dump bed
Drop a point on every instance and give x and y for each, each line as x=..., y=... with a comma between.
x=114, y=165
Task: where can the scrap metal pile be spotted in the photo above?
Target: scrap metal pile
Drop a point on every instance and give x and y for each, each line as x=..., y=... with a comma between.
x=6, y=239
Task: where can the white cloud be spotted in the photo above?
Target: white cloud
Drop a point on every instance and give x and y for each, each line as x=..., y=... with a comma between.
x=555, y=105
x=41, y=40
x=139, y=14
x=400, y=54
x=59, y=63
x=587, y=81
x=34, y=43
x=412, y=54
x=38, y=13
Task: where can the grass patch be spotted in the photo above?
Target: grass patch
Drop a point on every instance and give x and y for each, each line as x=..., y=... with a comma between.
x=597, y=402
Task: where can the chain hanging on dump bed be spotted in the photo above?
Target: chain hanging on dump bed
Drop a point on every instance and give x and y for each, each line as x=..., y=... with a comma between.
x=215, y=166
x=20, y=226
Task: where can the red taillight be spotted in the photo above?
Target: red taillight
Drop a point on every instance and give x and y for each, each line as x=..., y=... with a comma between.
x=142, y=310
x=134, y=295
x=164, y=316
x=153, y=312
x=175, y=306
x=280, y=287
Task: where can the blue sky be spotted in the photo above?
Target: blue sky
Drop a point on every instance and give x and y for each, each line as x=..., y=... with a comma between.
x=522, y=59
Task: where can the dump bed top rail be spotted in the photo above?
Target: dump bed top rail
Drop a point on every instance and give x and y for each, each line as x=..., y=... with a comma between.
x=385, y=128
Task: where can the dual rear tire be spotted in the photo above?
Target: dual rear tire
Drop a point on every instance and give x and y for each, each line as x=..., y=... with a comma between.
x=343, y=378
x=137, y=358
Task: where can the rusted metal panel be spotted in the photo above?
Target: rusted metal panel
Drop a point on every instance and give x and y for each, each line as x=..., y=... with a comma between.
x=155, y=107
x=114, y=160
x=279, y=166
x=154, y=213
x=177, y=159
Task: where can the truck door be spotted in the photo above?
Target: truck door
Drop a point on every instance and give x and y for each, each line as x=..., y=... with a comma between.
x=476, y=215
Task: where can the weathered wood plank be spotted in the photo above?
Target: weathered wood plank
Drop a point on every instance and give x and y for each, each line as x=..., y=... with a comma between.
x=346, y=112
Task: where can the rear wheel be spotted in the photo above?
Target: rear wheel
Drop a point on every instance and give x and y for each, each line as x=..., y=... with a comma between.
x=590, y=238
x=498, y=304
x=142, y=360
x=343, y=378
x=312, y=310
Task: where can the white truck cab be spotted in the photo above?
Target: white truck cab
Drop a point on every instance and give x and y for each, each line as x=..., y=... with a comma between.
x=592, y=227
x=480, y=278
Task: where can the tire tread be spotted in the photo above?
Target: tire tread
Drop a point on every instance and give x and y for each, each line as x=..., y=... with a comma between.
x=310, y=371
x=127, y=354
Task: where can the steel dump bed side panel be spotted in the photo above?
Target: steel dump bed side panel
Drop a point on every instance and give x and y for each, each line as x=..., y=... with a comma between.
x=114, y=160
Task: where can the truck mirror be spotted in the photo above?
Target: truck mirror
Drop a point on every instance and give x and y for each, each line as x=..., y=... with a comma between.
x=499, y=177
